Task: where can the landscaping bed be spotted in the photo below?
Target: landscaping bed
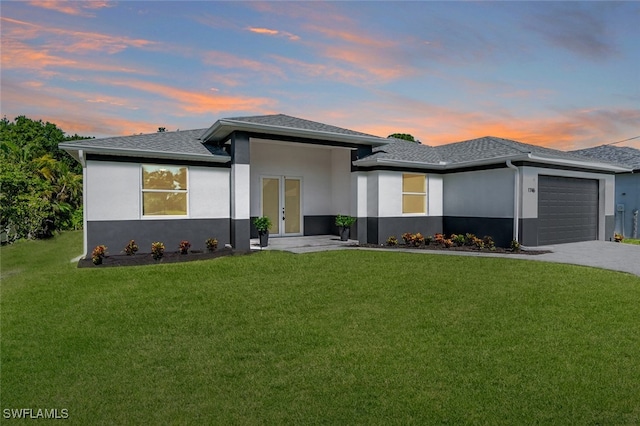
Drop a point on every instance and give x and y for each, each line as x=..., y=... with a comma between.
x=147, y=258
x=435, y=247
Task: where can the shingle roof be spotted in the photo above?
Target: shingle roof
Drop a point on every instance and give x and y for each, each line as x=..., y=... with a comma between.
x=283, y=120
x=183, y=142
x=622, y=155
x=402, y=150
x=491, y=147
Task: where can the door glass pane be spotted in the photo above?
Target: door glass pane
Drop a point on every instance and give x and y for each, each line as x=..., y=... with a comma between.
x=271, y=202
x=292, y=206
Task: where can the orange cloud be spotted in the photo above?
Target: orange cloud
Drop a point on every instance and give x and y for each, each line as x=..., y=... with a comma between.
x=196, y=102
x=78, y=8
x=271, y=32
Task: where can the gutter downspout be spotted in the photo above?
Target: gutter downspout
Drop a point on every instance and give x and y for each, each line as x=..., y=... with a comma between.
x=516, y=200
x=83, y=162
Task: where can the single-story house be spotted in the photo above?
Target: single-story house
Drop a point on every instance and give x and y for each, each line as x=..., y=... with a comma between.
x=627, y=188
x=196, y=184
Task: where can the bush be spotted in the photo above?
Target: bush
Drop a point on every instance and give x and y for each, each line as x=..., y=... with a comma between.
x=392, y=241
x=131, y=248
x=515, y=246
x=459, y=240
x=489, y=243
x=345, y=221
x=415, y=240
x=98, y=254
x=184, y=246
x=157, y=250
x=212, y=244
x=618, y=238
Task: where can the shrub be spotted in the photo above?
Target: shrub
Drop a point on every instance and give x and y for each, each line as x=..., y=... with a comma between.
x=415, y=240
x=184, y=246
x=459, y=240
x=515, y=246
x=469, y=239
x=447, y=242
x=392, y=241
x=211, y=243
x=157, y=250
x=407, y=237
x=489, y=243
x=345, y=221
x=98, y=254
x=618, y=238
x=262, y=224
x=478, y=242
x=131, y=248
x=428, y=240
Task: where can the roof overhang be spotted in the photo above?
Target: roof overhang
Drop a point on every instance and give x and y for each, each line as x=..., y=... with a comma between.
x=383, y=162
x=222, y=129
x=80, y=153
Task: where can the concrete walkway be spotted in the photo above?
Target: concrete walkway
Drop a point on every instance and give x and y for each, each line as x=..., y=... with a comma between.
x=598, y=254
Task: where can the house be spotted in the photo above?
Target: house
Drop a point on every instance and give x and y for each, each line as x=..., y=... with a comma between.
x=213, y=182
x=627, y=189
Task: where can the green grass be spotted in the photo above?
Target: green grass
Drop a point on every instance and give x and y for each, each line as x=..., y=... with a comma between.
x=631, y=241
x=343, y=337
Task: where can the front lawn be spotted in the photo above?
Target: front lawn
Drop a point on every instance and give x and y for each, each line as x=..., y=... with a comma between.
x=341, y=337
x=631, y=241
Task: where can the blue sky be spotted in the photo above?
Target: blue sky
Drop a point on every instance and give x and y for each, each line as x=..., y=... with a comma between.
x=559, y=74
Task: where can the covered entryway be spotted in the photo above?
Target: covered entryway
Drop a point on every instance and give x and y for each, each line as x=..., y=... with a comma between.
x=567, y=210
x=282, y=203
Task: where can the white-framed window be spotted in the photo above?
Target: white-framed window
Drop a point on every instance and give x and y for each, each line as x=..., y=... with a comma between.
x=164, y=190
x=414, y=193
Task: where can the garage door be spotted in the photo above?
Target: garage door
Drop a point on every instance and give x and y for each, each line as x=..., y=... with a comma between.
x=567, y=210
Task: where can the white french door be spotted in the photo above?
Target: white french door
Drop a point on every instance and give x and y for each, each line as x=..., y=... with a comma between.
x=282, y=203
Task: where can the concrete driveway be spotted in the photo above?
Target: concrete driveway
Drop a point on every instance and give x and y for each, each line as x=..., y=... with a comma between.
x=599, y=254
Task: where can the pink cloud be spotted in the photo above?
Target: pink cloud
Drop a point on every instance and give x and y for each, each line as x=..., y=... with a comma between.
x=78, y=8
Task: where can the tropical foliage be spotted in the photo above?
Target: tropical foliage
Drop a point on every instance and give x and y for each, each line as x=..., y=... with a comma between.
x=41, y=184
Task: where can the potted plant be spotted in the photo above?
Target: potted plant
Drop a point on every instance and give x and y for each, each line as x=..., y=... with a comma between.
x=263, y=224
x=344, y=222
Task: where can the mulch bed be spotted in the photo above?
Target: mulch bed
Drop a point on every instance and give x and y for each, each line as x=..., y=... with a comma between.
x=147, y=259
x=438, y=247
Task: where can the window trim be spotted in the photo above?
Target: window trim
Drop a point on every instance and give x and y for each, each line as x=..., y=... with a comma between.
x=143, y=191
x=424, y=194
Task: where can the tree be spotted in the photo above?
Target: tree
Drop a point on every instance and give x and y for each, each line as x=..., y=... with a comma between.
x=162, y=129
x=41, y=184
x=404, y=136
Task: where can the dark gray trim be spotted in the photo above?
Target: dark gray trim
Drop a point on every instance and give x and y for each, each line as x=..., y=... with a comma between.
x=528, y=232
x=500, y=229
x=240, y=148
x=240, y=234
x=144, y=160
x=372, y=230
x=361, y=231
x=320, y=225
x=116, y=234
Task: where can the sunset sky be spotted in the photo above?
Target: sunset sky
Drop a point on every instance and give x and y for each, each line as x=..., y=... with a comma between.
x=560, y=74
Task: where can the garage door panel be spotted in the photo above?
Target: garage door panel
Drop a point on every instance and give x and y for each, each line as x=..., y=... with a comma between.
x=567, y=209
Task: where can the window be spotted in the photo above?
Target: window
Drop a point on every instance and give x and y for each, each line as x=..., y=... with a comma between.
x=414, y=193
x=164, y=190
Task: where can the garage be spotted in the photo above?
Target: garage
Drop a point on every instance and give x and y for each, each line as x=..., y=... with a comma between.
x=567, y=210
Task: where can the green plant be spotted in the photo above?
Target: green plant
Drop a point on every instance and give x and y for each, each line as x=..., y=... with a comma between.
x=618, y=238
x=392, y=241
x=345, y=220
x=469, y=239
x=489, y=243
x=157, y=250
x=428, y=239
x=98, y=254
x=212, y=244
x=515, y=246
x=262, y=224
x=184, y=246
x=131, y=248
x=459, y=240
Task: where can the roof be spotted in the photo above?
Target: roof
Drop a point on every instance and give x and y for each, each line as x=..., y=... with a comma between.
x=184, y=144
x=204, y=145
x=621, y=155
x=474, y=152
x=284, y=125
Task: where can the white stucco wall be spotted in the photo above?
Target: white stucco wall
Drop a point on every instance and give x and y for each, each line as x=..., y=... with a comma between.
x=483, y=193
x=325, y=173
x=385, y=194
x=114, y=191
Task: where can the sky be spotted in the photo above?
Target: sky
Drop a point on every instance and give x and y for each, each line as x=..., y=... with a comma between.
x=564, y=75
